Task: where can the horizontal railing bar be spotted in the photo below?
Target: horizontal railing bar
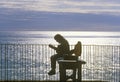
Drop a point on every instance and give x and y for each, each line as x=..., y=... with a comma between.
x=56, y=44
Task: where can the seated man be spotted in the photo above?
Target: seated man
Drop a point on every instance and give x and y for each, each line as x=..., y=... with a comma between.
x=62, y=49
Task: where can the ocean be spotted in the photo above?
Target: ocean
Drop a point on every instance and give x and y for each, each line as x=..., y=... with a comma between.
x=24, y=55
x=47, y=37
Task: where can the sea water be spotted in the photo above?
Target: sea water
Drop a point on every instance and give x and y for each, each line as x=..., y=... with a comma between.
x=47, y=37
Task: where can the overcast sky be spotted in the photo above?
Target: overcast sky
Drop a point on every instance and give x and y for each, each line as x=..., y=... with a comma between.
x=83, y=15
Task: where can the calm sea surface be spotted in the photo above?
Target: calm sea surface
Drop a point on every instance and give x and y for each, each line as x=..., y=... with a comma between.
x=27, y=62
x=46, y=37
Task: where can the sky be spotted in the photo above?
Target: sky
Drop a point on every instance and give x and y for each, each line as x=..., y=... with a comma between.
x=73, y=15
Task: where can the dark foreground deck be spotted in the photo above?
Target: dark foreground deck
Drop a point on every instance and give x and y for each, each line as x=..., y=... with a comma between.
x=52, y=81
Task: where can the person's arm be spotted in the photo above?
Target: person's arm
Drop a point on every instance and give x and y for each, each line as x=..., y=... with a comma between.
x=53, y=47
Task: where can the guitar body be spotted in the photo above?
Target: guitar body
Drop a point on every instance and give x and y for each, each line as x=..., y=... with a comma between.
x=78, y=49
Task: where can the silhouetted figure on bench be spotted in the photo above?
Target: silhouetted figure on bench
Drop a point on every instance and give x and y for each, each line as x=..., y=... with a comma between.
x=62, y=49
x=72, y=62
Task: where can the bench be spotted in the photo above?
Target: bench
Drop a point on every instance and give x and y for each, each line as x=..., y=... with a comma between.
x=71, y=62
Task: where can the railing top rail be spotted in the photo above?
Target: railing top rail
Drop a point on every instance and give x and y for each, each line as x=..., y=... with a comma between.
x=56, y=44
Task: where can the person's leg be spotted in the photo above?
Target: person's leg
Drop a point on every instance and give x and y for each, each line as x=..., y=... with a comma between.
x=53, y=64
x=53, y=61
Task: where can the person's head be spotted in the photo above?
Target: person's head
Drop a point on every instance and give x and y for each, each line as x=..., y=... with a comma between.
x=59, y=38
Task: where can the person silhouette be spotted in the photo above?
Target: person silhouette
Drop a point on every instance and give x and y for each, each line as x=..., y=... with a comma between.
x=61, y=50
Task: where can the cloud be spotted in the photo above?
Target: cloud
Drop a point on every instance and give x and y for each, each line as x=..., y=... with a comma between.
x=29, y=20
x=73, y=6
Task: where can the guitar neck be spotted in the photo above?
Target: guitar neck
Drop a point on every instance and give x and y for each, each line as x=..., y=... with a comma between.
x=53, y=47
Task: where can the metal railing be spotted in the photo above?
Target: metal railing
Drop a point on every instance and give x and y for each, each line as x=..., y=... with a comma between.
x=32, y=62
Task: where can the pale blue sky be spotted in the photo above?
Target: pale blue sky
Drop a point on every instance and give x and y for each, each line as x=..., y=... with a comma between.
x=97, y=15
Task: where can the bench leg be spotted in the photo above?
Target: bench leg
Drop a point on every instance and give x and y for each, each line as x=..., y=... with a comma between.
x=62, y=74
x=79, y=73
x=74, y=75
